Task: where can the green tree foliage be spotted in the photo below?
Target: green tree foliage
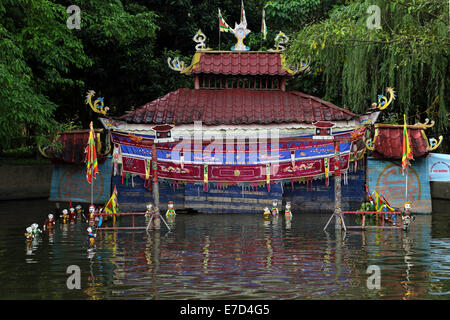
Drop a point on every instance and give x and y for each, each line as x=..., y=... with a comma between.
x=46, y=68
x=36, y=54
x=410, y=52
x=292, y=15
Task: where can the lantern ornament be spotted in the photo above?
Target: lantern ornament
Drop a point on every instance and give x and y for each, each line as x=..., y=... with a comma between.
x=324, y=130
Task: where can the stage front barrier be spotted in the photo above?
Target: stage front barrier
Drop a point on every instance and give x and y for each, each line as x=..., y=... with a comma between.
x=387, y=179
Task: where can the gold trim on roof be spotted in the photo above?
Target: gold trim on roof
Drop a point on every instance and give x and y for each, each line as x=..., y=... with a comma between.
x=371, y=144
x=284, y=65
x=434, y=144
x=194, y=63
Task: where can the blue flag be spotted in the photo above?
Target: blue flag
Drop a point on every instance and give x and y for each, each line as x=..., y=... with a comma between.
x=100, y=222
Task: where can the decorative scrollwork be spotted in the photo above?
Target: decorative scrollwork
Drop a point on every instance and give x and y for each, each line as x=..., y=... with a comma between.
x=200, y=39
x=280, y=40
x=370, y=144
x=99, y=105
x=42, y=151
x=305, y=67
x=176, y=64
x=434, y=144
x=425, y=124
x=384, y=102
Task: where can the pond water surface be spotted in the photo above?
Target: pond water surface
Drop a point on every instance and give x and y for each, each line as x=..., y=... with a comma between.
x=222, y=256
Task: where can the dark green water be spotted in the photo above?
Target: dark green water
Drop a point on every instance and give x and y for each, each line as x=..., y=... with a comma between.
x=223, y=257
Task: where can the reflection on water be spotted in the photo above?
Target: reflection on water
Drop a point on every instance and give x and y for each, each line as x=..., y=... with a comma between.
x=218, y=256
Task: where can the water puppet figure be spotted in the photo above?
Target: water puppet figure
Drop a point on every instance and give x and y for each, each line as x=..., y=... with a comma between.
x=170, y=210
x=150, y=210
x=79, y=209
x=49, y=222
x=385, y=209
x=155, y=219
x=287, y=211
x=65, y=216
x=91, y=216
x=266, y=212
x=406, y=216
x=91, y=236
x=275, y=207
x=72, y=214
x=35, y=229
x=29, y=236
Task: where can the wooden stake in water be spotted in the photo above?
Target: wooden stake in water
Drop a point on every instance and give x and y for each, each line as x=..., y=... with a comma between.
x=406, y=186
x=155, y=176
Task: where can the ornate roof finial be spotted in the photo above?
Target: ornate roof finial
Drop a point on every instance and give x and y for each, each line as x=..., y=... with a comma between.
x=280, y=40
x=240, y=32
x=200, y=39
x=433, y=143
x=383, y=102
x=176, y=64
x=99, y=105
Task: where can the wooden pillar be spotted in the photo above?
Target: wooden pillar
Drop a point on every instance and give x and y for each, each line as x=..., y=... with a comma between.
x=337, y=184
x=197, y=82
x=363, y=224
x=283, y=84
x=155, y=176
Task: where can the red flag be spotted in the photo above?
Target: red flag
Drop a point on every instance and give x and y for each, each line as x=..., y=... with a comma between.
x=91, y=156
x=223, y=26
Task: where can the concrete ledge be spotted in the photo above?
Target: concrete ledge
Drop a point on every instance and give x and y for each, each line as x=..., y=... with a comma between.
x=25, y=182
x=440, y=189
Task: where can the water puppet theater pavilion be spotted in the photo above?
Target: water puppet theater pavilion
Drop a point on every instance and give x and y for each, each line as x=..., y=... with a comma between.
x=239, y=139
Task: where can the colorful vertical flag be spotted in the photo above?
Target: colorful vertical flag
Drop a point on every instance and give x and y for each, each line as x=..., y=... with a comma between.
x=407, y=154
x=113, y=205
x=243, y=18
x=223, y=26
x=263, y=24
x=91, y=156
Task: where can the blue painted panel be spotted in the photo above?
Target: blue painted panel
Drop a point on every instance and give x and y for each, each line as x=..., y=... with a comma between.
x=387, y=178
x=69, y=183
x=438, y=167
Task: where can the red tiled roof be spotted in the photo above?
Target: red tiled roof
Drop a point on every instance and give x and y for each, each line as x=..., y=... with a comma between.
x=239, y=63
x=388, y=143
x=323, y=124
x=236, y=106
x=163, y=128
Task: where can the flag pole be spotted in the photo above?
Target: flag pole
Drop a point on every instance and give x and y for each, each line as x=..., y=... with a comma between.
x=219, y=15
x=92, y=187
x=406, y=185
